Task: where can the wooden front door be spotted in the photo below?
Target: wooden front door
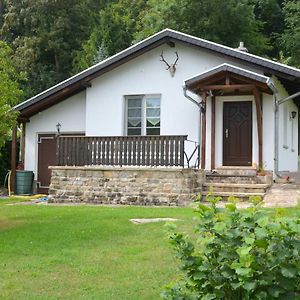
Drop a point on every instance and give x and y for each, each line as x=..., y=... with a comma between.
x=237, y=133
x=46, y=158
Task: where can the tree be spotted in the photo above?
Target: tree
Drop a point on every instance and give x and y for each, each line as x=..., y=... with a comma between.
x=290, y=39
x=226, y=22
x=45, y=35
x=270, y=14
x=113, y=32
x=10, y=92
x=101, y=54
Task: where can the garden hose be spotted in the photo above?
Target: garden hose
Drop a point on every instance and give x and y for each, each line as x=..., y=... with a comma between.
x=8, y=185
x=7, y=179
x=37, y=196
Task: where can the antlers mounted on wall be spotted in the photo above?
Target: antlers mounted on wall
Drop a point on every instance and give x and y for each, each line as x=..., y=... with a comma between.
x=170, y=67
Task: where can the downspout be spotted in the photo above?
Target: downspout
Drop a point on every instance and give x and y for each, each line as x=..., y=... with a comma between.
x=276, y=121
x=199, y=105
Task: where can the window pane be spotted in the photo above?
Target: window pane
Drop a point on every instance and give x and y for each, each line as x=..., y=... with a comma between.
x=134, y=112
x=134, y=116
x=134, y=102
x=153, y=122
x=153, y=131
x=134, y=131
x=153, y=116
x=153, y=102
x=153, y=112
x=134, y=123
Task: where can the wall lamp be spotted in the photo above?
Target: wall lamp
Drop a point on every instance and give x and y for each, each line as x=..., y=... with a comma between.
x=293, y=115
x=58, y=126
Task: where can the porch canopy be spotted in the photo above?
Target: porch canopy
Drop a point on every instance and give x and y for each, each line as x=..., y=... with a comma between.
x=228, y=80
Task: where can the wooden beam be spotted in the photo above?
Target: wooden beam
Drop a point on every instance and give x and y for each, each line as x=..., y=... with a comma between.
x=13, y=160
x=86, y=84
x=23, y=144
x=23, y=120
x=227, y=79
x=203, y=132
x=258, y=104
x=258, y=84
x=227, y=87
x=234, y=93
x=213, y=132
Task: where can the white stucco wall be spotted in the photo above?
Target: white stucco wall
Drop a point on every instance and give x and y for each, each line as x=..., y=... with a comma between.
x=148, y=75
x=288, y=134
x=101, y=110
x=70, y=113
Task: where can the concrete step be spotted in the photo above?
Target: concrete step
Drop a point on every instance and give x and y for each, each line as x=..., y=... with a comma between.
x=228, y=170
x=236, y=187
x=225, y=195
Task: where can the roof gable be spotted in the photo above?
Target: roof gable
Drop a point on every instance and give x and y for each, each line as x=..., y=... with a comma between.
x=81, y=80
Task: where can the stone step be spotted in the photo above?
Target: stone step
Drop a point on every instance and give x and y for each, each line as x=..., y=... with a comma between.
x=236, y=171
x=221, y=178
x=225, y=195
x=235, y=187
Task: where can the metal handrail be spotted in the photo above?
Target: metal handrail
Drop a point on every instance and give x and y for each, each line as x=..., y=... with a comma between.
x=196, y=150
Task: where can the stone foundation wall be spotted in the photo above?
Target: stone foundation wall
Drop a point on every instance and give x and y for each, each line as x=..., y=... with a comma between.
x=131, y=186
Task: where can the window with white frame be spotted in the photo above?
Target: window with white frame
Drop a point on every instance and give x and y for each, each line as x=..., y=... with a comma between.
x=143, y=115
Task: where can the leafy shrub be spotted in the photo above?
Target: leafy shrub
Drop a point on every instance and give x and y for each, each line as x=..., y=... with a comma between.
x=5, y=153
x=238, y=254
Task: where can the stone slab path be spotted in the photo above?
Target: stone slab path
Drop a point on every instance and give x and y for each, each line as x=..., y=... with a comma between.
x=152, y=220
x=282, y=195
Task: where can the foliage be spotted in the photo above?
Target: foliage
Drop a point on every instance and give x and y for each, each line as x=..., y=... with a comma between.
x=248, y=254
x=10, y=92
x=45, y=35
x=291, y=37
x=209, y=19
x=113, y=32
x=4, y=161
x=52, y=40
x=270, y=14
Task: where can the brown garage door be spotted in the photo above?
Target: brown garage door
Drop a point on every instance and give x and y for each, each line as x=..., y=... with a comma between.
x=46, y=158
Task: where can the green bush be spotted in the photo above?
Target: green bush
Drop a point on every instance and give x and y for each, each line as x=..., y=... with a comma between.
x=238, y=254
x=5, y=152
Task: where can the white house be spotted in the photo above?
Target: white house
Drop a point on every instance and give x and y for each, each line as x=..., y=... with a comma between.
x=240, y=109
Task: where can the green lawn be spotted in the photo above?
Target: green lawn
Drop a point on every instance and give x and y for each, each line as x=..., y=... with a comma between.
x=83, y=252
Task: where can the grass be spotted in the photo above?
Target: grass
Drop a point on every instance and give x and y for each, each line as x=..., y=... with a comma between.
x=82, y=252
x=85, y=252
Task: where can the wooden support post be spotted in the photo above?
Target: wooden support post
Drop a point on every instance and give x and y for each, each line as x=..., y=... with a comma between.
x=203, y=133
x=258, y=104
x=23, y=144
x=213, y=132
x=13, y=160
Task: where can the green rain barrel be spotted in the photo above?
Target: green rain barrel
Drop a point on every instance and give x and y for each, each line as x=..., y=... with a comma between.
x=24, y=180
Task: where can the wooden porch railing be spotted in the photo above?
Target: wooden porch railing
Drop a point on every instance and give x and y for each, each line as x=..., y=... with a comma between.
x=121, y=151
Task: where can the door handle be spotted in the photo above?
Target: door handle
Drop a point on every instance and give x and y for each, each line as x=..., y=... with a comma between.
x=226, y=133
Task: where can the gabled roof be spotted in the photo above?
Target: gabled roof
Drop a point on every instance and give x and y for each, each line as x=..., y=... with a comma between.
x=227, y=68
x=228, y=79
x=81, y=80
